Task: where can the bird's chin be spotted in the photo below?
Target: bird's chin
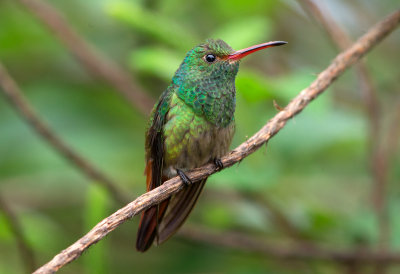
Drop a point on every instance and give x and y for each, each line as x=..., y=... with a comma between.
x=232, y=62
x=234, y=66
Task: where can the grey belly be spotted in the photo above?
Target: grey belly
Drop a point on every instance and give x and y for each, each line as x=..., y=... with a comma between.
x=211, y=144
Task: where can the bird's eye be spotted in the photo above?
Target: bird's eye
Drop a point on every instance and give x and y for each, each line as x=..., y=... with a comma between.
x=210, y=58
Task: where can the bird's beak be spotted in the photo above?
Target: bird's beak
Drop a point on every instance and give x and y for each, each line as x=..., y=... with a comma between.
x=239, y=54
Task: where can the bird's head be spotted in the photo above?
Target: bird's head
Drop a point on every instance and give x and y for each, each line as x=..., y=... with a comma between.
x=206, y=79
x=214, y=60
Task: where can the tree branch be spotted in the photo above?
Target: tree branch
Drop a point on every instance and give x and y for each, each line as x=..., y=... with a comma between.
x=324, y=79
x=17, y=100
x=342, y=41
x=378, y=162
x=94, y=62
x=27, y=255
x=246, y=243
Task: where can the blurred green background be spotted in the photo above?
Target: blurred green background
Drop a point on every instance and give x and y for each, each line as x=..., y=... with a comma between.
x=315, y=172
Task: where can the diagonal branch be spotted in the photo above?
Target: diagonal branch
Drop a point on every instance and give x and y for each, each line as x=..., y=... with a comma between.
x=324, y=79
x=18, y=101
x=97, y=64
x=342, y=41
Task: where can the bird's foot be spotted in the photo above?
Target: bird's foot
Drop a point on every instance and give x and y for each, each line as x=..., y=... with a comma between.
x=218, y=163
x=185, y=179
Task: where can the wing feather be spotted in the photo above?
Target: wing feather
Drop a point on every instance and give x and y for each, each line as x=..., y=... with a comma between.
x=181, y=204
x=163, y=220
x=154, y=166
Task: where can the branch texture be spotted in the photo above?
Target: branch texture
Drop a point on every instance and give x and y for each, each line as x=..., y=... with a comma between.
x=324, y=79
x=94, y=62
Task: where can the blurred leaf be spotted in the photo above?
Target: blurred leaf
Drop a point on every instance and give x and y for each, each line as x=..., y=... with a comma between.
x=156, y=61
x=44, y=234
x=244, y=32
x=238, y=8
x=152, y=24
x=217, y=216
x=254, y=87
x=289, y=85
x=361, y=228
x=16, y=29
x=321, y=220
x=255, y=169
x=319, y=131
x=95, y=259
x=5, y=233
x=251, y=217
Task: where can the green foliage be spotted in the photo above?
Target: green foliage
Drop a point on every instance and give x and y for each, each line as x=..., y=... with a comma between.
x=5, y=233
x=315, y=171
x=96, y=208
x=158, y=62
x=254, y=87
x=151, y=24
x=252, y=29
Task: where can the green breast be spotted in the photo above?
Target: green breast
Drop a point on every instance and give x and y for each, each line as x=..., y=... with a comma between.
x=191, y=139
x=209, y=94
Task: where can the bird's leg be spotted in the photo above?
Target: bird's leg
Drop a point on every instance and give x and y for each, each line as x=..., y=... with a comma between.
x=218, y=163
x=185, y=179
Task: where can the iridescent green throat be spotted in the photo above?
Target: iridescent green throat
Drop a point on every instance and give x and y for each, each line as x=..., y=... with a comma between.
x=209, y=89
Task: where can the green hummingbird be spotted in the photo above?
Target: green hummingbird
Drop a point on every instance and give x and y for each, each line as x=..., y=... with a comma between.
x=192, y=124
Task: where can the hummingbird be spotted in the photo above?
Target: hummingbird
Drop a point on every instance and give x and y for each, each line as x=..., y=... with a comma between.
x=191, y=125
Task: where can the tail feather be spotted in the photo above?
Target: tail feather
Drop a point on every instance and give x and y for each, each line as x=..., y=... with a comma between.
x=151, y=217
x=179, y=209
x=148, y=226
x=163, y=220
